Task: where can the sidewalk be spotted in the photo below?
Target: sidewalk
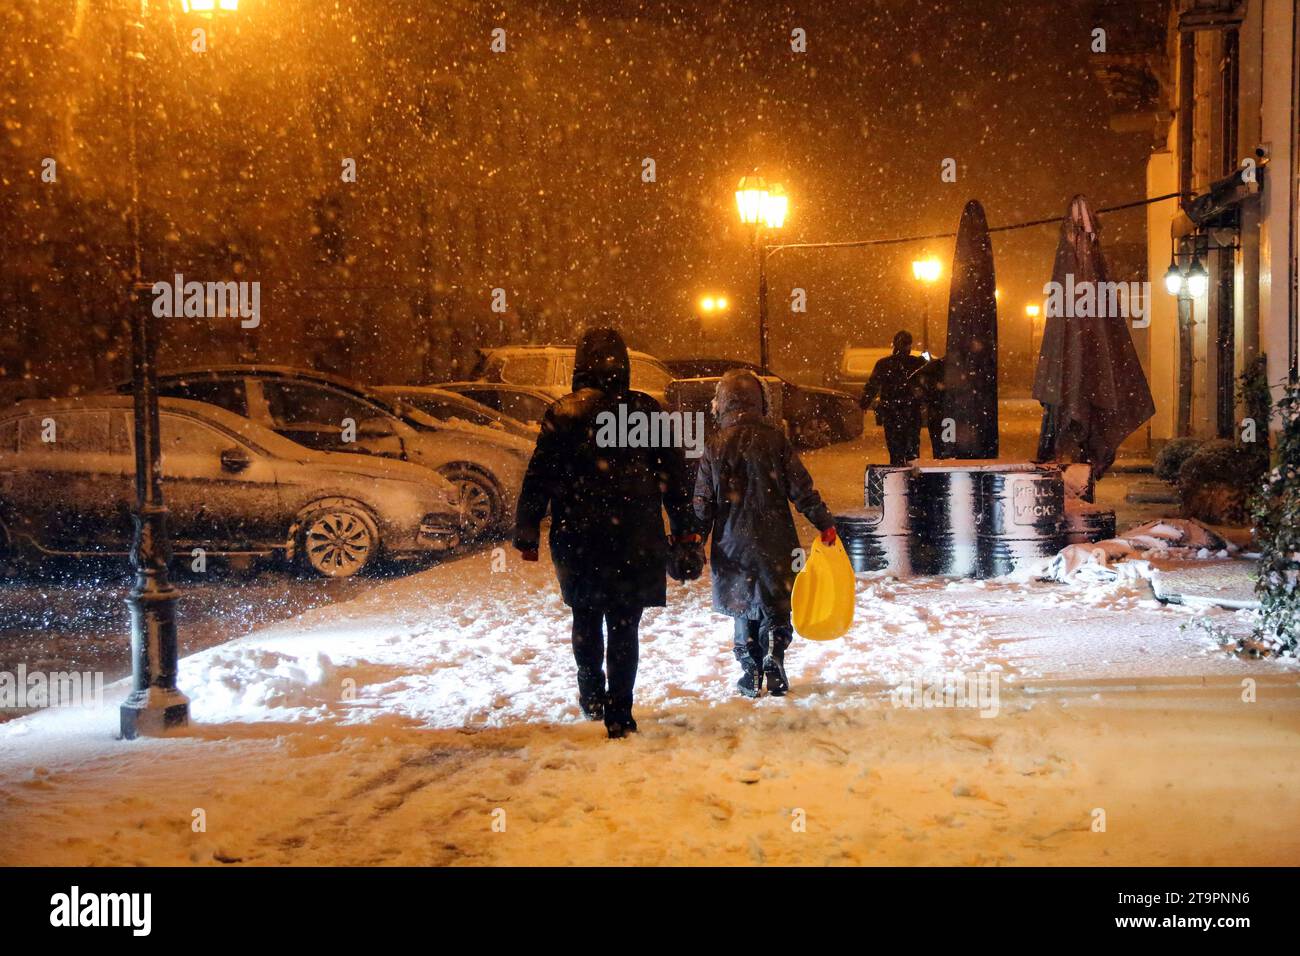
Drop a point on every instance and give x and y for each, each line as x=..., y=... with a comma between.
x=388, y=729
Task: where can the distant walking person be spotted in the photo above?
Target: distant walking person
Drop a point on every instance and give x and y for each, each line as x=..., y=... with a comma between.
x=748, y=476
x=898, y=395
x=930, y=380
x=607, y=530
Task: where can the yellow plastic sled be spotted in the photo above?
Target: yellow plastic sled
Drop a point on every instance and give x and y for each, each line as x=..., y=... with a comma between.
x=822, y=603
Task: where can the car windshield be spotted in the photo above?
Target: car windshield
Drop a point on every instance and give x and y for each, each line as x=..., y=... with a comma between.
x=526, y=370
x=450, y=408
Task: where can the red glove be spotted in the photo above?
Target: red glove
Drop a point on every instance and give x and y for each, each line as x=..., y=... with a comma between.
x=828, y=536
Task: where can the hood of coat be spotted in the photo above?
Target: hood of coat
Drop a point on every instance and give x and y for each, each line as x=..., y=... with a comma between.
x=740, y=393
x=601, y=362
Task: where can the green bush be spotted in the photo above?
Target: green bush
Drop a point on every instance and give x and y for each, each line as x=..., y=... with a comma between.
x=1277, y=531
x=1217, y=482
x=1222, y=460
x=1169, y=460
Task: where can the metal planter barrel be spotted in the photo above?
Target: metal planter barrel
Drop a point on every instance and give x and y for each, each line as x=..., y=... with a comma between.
x=887, y=489
x=942, y=506
x=1020, y=516
x=879, y=536
x=1087, y=523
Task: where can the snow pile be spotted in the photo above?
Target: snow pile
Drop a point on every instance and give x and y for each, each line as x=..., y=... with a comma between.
x=1127, y=557
x=501, y=655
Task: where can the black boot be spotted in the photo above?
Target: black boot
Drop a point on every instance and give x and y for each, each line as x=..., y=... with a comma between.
x=751, y=679
x=619, y=725
x=591, y=692
x=618, y=718
x=774, y=670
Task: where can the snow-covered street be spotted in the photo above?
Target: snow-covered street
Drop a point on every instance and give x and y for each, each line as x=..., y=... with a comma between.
x=392, y=727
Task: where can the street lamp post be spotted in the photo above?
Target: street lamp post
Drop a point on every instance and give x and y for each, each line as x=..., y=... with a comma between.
x=155, y=704
x=710, y=306
x=1032, y=311
x=761, y=208
x=926, y=270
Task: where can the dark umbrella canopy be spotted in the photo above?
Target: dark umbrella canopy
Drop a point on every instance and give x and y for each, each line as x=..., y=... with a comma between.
x=970, y=369
x=1089, y=379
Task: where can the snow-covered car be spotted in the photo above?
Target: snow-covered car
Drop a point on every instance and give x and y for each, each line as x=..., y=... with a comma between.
x=448, y=406
x=814, y=416
x=550, y=368
x=857, y=364
x=329, y=413
x=67, y=487
x=524, y=403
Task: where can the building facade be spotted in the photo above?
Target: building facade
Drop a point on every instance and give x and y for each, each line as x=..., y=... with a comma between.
x=1229, y=91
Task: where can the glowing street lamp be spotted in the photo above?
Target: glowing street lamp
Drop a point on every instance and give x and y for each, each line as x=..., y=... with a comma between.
x=927, y=271
x=761, y=207
x=713, y=303
x=775, y=207
x=751, y=198
x=1174, y=279
x=209, y=8
x=1033, y=311
x=1198, y=280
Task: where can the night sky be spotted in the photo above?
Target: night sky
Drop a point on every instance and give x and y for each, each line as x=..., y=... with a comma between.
x=522, y=170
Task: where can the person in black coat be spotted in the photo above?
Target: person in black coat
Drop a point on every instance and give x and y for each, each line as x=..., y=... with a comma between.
x=894, y=382
x=749, y=473
x=607, y=537
x=930, y=380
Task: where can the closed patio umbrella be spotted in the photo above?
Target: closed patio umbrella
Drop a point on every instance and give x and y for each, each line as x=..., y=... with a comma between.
x=1089, y=380
x=970, y=367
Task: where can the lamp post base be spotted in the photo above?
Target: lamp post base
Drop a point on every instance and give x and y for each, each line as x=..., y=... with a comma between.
x=154, y=712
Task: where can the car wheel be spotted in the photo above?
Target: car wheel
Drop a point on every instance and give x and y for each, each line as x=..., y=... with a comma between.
x=337, y=541
x=814, y=433
x=480, y=502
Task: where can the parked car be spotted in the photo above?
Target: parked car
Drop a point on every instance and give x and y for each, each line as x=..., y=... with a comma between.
x=524, y=403
x=814, y=416
x=329, y=413
x=67, y=487
x=550, y=368
x=451, y=407
x=856, y=364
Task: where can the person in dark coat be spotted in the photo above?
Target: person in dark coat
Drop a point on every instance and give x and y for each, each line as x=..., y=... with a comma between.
x=930, y=379
x=894, y=382
x=748, y=474
x=607, y=530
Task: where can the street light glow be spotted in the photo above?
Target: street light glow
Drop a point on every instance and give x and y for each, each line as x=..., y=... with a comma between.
x=1173, y=280
x=1198, y=280
x=751, y=198
x=1031, y=311
x=775, y=206
x=927, y=269
x=208, y=8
